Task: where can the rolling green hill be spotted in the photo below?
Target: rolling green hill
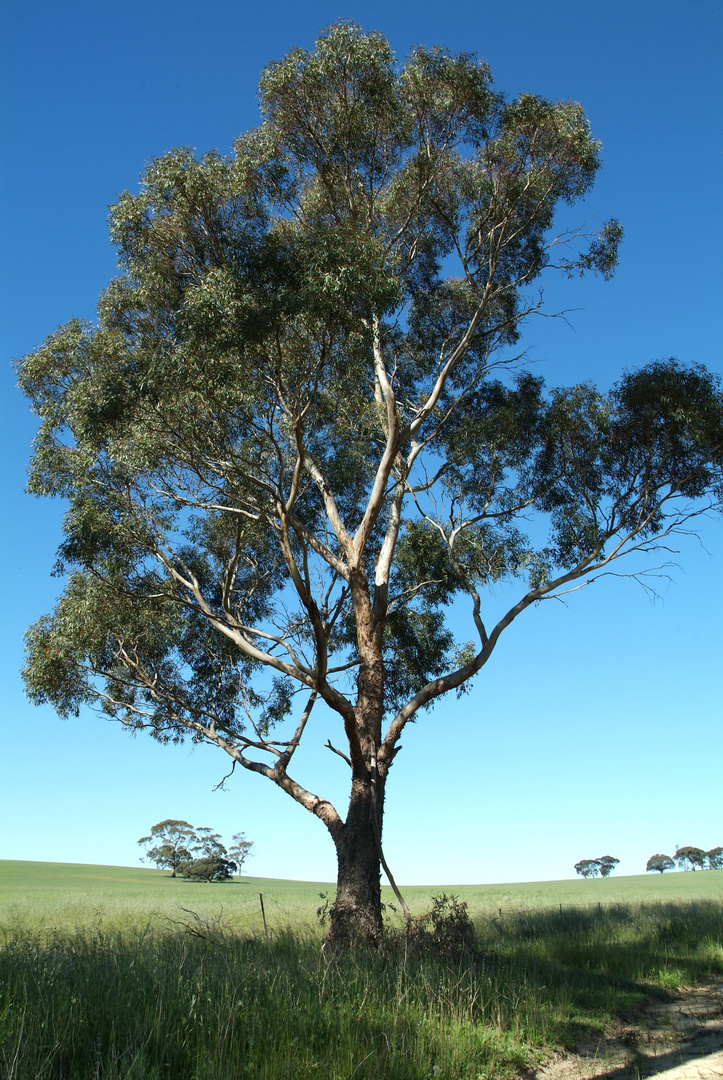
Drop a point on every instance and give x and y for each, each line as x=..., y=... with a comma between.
x=62, y=894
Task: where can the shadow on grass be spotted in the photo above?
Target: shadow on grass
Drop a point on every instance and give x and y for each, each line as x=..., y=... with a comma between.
x=635, y=942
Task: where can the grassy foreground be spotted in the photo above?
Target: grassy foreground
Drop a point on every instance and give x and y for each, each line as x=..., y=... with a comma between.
x=103, y=974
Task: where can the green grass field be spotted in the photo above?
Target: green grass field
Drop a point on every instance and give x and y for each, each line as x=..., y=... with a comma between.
x=125, y=974
x=65, y=895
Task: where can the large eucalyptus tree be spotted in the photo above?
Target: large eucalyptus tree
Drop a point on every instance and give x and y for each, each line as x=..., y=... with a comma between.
x=297, y=432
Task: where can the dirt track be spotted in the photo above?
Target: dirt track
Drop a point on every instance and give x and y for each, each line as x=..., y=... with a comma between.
x=679, y=1039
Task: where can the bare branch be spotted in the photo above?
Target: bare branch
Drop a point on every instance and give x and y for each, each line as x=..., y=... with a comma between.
x=339, y=752
x=222, y=781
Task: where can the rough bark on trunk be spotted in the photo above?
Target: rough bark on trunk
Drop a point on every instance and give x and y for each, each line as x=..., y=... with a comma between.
x=356, y=915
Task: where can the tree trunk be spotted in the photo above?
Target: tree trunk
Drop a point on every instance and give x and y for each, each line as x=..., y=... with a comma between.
x=356, y=915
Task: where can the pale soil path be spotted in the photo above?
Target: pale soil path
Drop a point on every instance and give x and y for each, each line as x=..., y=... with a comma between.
x=679, y=1039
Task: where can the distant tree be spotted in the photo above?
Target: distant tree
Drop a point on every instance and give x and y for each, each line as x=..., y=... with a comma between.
x=172, y=843
x=198, y=854
x=714, y=858
x=208, y=844
x=588, y=868
x=607, y=864
x=690, y=858
x=209, y=868
x=240, y=849
x=660, y=863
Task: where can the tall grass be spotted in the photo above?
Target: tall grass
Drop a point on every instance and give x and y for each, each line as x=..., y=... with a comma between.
x=196, y=999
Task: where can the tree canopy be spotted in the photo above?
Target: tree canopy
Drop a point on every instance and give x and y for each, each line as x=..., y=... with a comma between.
x=300, y=429
x=607, y=864
x=690, y=858
x=714, y=858
x=208, y=868
x=240, y=850
x=661, y=863
x=594, y=867
x=169, y=843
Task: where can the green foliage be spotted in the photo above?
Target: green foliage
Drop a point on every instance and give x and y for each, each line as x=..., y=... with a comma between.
x=170, y=844
x=690, y=858
x=661, y=863
x=240, y=849
x=234, y=318
x=445, y=930
x=208, y=843
x=592, y=867
x=207, y=868
x=714, y=858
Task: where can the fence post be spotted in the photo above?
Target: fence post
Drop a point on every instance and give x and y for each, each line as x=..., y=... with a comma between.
x=263, y=916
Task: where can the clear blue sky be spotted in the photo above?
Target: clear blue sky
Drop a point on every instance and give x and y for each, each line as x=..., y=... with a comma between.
x=596, y=728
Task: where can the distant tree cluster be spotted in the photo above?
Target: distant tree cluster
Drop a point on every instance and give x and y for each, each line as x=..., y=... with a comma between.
x=594, y=867
x=688, y=858
x=195, y=854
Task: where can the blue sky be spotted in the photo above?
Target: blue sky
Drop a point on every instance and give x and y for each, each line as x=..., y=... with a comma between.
x=596, y=727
